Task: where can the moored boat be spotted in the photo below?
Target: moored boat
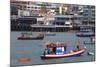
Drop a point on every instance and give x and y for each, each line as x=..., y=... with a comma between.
x=85, y=34
x=29, y=36
x=89, y=43
x=58, y=50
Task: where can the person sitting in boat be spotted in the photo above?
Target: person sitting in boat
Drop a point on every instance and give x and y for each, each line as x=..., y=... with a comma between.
x=50, y=51
x=78, y=47
x=51, y=48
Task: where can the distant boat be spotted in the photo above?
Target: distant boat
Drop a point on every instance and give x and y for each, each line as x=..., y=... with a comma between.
x=58, y=50
x=89, y=43
x=85, y=34
x=90, y=53
x=87, y=30
x=49, y=34
x=29, y=36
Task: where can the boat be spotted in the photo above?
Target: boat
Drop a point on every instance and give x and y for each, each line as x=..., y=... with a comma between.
x=49, y=34
x=58, y=50
x=85, y=34
x=90, y=53
x=29, y=36
x=91, y=43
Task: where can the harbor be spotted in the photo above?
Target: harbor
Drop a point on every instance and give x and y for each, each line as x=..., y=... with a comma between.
x=51, y=33
x=26, y=49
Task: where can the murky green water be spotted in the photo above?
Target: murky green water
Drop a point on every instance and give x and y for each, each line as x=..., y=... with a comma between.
x=34, y=48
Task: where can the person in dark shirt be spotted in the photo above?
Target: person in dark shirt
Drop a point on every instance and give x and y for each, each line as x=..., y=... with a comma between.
x=78, y=45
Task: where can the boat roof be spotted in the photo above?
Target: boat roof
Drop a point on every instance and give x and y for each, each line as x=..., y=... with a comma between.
x=57, y=44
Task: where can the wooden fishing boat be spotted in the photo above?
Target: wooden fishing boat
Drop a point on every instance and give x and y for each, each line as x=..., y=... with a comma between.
x=58, y=50
x=29, y=36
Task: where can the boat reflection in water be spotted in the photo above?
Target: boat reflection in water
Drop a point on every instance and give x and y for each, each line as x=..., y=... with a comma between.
x=58, y=50
x=29, y=36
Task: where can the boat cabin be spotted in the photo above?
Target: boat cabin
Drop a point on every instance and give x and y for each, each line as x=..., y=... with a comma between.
x=26, y=34
x=55, y=48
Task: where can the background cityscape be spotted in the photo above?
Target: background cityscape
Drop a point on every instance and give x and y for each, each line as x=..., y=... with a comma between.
x=33, y=24
x=29, y=14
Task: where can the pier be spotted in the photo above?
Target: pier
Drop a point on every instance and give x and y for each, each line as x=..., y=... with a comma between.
x=51, y=28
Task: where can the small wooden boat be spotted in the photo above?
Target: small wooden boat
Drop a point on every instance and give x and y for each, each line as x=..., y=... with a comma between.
x=85, y=34
x=58, y=50
x=29, y=36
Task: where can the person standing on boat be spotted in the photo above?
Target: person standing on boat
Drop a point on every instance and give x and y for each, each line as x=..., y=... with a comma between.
x=78, y=44
x=45, y=52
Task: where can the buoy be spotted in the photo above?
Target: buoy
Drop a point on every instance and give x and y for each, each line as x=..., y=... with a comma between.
x=24, y=59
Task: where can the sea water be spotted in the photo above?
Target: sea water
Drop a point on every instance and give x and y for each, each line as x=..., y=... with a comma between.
x=34, y=48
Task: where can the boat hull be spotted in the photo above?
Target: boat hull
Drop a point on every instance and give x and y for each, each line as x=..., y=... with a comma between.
x=30, y=38
x=89, y=43
x=85, y=35
x=51, y=56
x=50, y=34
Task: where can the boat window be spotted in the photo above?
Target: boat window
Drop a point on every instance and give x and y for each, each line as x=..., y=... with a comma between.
x=60, y=50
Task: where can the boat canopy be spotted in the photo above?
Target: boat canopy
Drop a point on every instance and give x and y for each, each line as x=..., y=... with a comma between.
x=56, y=48
x=58, y=44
